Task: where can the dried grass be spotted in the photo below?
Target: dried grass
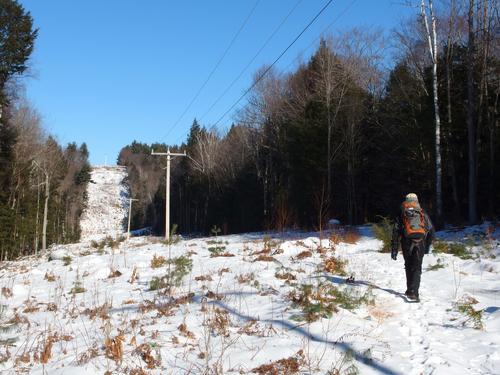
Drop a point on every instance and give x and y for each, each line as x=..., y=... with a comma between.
x=98, y=312
x=304, y=254
x=144, y=351
x=285, y=276
x=245, y=278
x=114, y=348
x=203, y=278
x=158, y=261
x=47, y=350
x=114, y=274
x=264, y=258
x=351, y=236
x=134, y=276
x=285, y=366
x=185, y=331
x=224, y=254
x=334, y=265
x=7, y=292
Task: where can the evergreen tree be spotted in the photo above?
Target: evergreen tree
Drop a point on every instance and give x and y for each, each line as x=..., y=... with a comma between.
x=17, y=38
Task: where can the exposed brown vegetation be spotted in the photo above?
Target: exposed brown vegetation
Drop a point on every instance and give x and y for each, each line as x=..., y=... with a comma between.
x=224, y=254
x=23, y=358
x=47, y=350
x=351, y=236
x=114, y=348
x=285, y=276
x=244, y=278
x=185, y=331
x=203, y=278
x=158, y=261
x=144, y=351
x=213, y=295
x=285, y=366
x=87, y=355
x=304, y=254
x=334, y=265
x=137, y=371
x=7, y=292
x=98, y=312
x=114, y=273
x=264, y=258
x=31, y=308
x=220, y=322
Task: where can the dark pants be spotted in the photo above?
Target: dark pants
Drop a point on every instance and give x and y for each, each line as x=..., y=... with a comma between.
x=413, y=255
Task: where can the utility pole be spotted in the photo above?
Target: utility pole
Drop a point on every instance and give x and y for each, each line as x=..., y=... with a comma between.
x=130, y=215
x=169, y=156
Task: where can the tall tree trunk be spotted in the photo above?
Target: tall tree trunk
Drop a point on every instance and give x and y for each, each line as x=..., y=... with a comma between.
x=351, y=154
x=492, y=166
x=329, y=153
x=493, y=125
x=453, y=172
x=471, y=117
x=45, y=213
x=37, y=215
x=350, y=191
x=432, y=40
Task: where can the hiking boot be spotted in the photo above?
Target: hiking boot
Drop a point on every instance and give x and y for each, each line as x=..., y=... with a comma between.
x=412, y=296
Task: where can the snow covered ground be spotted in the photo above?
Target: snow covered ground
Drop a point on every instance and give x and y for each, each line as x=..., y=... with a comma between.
x=93, y=311
x=107, y=204
x=248, y=303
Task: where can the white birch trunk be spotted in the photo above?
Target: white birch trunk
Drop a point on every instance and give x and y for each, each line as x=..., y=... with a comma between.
x=432, y=41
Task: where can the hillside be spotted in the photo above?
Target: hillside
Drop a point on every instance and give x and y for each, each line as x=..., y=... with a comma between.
x=249, y=303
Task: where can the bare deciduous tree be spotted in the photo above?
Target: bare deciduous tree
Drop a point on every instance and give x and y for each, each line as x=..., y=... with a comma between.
x=49, y=164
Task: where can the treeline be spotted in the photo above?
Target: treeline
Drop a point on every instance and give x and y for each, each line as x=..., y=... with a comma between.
x=344, y=137
x=42, y=184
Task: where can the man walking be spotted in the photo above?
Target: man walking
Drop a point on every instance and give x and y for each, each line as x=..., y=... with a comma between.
x=413, y=230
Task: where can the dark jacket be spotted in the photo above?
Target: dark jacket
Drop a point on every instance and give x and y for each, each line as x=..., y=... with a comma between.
x=398, y=234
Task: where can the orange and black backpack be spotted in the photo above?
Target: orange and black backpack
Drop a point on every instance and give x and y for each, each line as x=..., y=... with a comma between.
x=413, y=221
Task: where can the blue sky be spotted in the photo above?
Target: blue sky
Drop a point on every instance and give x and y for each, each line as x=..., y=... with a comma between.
x=110, y=72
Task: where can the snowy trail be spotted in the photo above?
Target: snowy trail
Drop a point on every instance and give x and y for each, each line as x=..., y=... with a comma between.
x=426, y=337
x=107, y=204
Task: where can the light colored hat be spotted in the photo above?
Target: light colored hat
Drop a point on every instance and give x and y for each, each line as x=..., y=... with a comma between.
x=412, y=197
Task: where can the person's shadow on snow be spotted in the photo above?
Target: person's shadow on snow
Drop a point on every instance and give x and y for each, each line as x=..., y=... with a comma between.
x=340, y=280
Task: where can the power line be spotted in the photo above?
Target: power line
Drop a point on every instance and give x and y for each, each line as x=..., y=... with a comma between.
x=252, y=60
x=274, y=62
x=346, y=9
x=341, y=14
x=213, y=70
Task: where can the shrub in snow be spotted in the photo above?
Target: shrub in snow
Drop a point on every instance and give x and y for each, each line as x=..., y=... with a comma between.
x=324, y=299
x=473, y=317
x=182, y=266
x=454, y=248
x=67, y=260
x=158, y=261
x=383, y=232
x=58, y=254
